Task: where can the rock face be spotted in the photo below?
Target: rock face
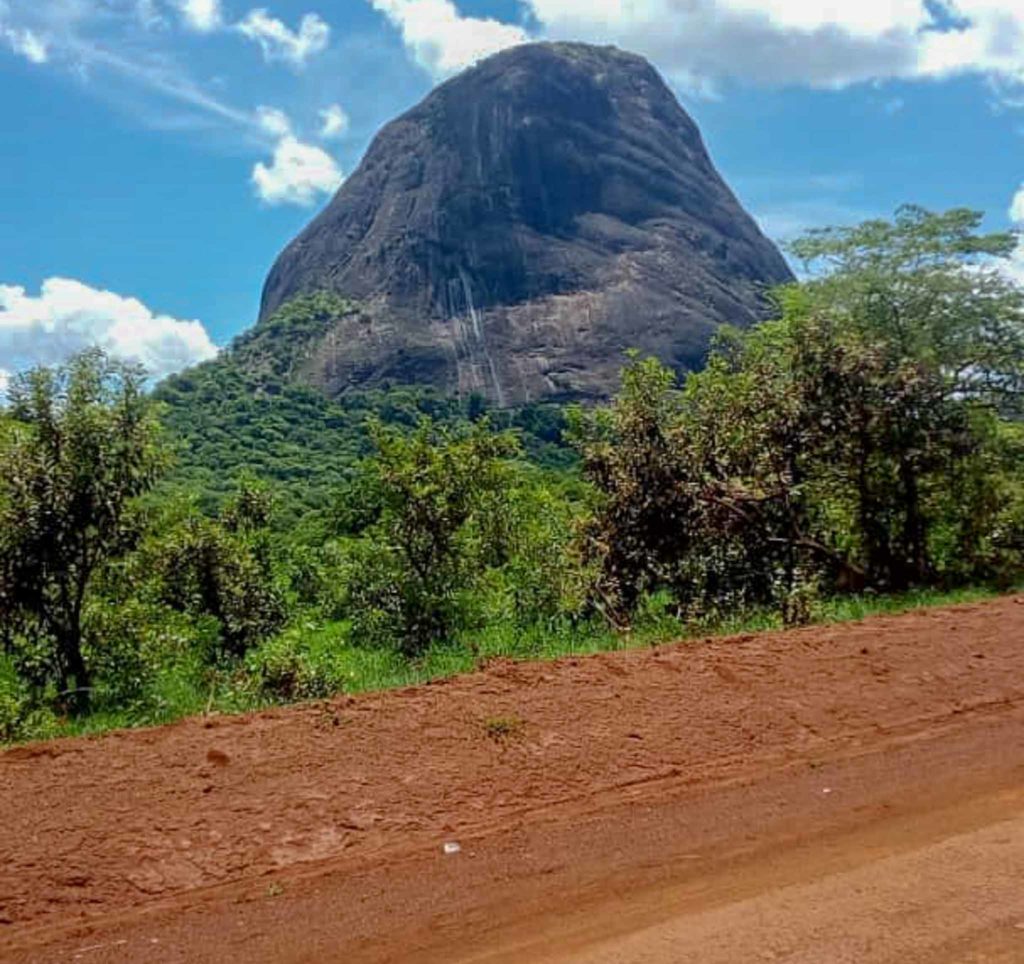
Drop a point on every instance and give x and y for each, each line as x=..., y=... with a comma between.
x=527, y=223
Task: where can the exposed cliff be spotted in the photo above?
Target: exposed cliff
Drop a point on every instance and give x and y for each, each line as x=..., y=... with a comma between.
x=520, y=228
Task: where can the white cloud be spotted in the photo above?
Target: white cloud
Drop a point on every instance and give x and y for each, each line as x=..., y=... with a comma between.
x=334, y=122
x=298, y=173
x=25, y=43
x=278, y=42
x=776, y=41
x=828, y=43
x=440, y=39
x=273, y=121
x=1013, y=267
x=202, y=16
x=160, y=77
x=1017, y=208
x=68, y=316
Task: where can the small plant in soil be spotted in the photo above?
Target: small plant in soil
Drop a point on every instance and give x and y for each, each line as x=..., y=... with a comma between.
x=501, y=729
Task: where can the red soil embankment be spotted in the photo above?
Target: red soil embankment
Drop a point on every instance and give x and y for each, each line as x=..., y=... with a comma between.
x=315, y=833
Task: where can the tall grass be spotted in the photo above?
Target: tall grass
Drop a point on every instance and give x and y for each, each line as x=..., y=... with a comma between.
x=324, y=650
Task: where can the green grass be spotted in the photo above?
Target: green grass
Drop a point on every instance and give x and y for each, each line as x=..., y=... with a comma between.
x=334, y=665
x=849, y=608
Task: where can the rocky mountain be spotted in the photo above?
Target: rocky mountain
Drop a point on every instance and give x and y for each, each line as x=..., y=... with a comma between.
x=523, y=226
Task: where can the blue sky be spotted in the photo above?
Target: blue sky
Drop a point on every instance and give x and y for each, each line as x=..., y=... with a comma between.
x=156, y=155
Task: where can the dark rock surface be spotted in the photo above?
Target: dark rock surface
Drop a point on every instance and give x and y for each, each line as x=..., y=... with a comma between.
x=522, y=227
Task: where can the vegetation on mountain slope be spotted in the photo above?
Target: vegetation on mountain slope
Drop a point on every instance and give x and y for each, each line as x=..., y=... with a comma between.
x=248, y=413
x=867, y=441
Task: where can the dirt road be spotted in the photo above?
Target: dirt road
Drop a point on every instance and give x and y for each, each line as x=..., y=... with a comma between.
x=838, y=794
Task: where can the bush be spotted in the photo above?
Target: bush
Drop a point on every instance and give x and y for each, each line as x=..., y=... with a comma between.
x=441, y=506
x=122, y=646
x=22, y=716
x=288, y=668
x=223, y=569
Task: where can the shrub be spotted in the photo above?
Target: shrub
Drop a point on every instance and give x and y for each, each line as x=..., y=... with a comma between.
x=304, y=662
x=441, y=500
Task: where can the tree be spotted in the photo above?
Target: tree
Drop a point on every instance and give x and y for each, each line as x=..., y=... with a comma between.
x=645, y=513
x=439, y=503
x=699, y=490
x=81, y=444
x=906, y=329
x=853, y=441
x=926, y=288
x=752, y=446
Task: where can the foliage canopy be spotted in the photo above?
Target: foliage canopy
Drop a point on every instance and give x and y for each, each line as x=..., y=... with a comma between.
x=79, y=445
x=869, y=438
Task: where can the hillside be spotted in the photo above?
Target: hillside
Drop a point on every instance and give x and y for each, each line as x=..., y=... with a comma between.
x=500, y=248
x=247, y=413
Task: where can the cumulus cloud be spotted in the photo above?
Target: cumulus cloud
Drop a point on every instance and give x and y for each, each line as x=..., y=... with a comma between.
x=68, y=316
x=273, y=121
x=26, y=43
x=703, y=42
x=793, y=41
x=202, y=16
x=298, y=173
x=334, y=122
x=278, y=42
x=440, y=39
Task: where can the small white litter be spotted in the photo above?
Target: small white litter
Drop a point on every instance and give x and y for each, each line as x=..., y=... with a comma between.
x=827, y=790
x=452, y=848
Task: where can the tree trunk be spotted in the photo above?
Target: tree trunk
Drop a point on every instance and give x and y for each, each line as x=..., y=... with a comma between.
x=77, y=681
x=877, y=554
x=914, y=564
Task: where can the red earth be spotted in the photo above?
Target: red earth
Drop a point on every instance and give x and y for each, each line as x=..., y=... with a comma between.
x=830, y=794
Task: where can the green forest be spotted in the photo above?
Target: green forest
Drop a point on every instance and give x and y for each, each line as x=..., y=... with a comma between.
x=233, y=539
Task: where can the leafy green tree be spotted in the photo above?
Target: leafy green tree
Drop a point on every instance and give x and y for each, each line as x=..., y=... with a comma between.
x=750, y=446
x=644, y=519
x=699, y=491
x=440, y=495
x=224, y=568
x=926, y=288
x=912, y=328
x=854, y=441
x=534, y=575
x=80, y=444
